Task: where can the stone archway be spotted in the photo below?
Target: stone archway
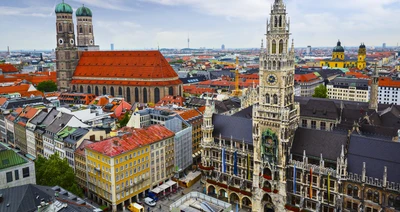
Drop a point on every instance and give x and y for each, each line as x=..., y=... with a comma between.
x=222, y=194
x=211, y=190
x=246, y=203
x=234, y=198
x=267, y=203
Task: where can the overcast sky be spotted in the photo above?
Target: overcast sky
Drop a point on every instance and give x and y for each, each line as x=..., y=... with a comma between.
x=140, y=24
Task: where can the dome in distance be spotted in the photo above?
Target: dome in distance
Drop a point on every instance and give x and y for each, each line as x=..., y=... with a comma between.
x=338, y=47
x=362, y=46
x=83, y=11
x=63, y=8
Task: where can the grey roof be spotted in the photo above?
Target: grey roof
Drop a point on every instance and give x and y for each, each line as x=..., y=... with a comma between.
x=317, y=142
x=232, y=126
x=15, y=103
x=345, y=82
x=39, y=117
x=27, y=198
x=245, y=113
x=376, y=153
x=220, y=106
x=76, y=135
x=59, y=123
x=320, y=108
x=50, y=117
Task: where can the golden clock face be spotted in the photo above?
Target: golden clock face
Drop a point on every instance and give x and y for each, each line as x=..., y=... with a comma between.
x=271, y=79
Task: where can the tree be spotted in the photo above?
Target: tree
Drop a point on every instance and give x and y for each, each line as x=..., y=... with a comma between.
x=321, y=92
x=56, y=171
x=124, y=121
x=47, y=86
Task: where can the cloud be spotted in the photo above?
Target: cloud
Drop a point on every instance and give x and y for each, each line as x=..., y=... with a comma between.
x=27, y=11
x=107, y=4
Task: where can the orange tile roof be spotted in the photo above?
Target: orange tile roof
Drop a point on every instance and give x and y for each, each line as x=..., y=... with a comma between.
x=124, y=64
x=52, y=94
x=34, y=78
x=83, y=96
x=100, y=101
x=136, y=138
x=31, y=93
x=388, y=82
x=193, y=89
x=357, y=75
x=305, y=77
x=3, y=100
x=177, y=100
x=189, y=114
x=8, y=68
x=14, y=88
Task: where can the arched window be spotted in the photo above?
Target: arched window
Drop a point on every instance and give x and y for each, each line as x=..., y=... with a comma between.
x=96, y=91
x=274, y=65
x=171, y=91
x=128, y=94
x=156, y=95
x=90, y=29
x=275, y=99
x=59, y=27
x=80, y=29
x=280, y=21
x=73, y=88
x=144, y=95
x=70, y=27
x=349, y=190
x=369, y=195
x=119, y=91
x=279, y=65
x=276, y=21
x=89, y=89
x=104, y=90
x=280, y=46
x=376, y=197
x=112, y=91
x=81, y=89
x=273, y=50
x=267, y=99
x=397, y=202
x=355, y=191
x=391, y=201
x=136, y=94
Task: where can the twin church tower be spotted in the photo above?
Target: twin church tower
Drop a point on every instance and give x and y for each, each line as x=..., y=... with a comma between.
x=67, y=44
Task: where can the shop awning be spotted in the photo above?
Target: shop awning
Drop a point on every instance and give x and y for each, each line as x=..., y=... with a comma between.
x=170, y=183
x=164, y=187
x=157, y=190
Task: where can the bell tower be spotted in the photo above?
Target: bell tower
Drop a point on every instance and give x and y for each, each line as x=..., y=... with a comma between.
x=276, y=117
x=362, y=54
x=84, y=27
x=66, y=52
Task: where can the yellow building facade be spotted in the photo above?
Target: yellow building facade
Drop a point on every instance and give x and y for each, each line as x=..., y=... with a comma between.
x=119, y=168
x=338, y=59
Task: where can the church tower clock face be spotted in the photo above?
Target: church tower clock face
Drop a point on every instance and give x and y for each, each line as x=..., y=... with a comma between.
x=271, y=79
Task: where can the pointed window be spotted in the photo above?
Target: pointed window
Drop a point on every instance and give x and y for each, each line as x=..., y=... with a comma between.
x=276, y=21
x=144, y=95
x=267, y=99
x=273, y=47
x=96, y=91
x=70, y=27
x=280, y=46
x=137, y=94
x=171, y=91
x=280, y=21
x=104, y=90
x=112, y=91
x=120, y=91
x=90, y=29
x=275, y=99
x=128, y=94
x=156, y=95
x=80, y=29
x=81, y=89
x=89, y=89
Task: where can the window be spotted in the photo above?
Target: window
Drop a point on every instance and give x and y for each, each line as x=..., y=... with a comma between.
x=156, y=95
x=273, y=47
x=313, y=124
x=25, y=172
x=80, y=29
x=9, y=177
x=323, y=125
x=144, y=95
x=280, y=46
x=275, y=99
x=304, y=123
x=59, y=27
x=267, y=99
x=16, y=175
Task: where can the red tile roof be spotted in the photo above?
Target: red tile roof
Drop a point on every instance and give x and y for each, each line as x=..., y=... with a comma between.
x=136, y=138
x=189, y=114
x=193, y=89
x=305, y=77
x=3, y=100
x=34, y=78
x=388, y=82
x=14, y=88
x=176, y=100
x=8, y=68
x=95, y=65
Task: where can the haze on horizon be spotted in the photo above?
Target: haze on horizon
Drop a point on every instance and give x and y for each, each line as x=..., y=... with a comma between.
x=145, y=24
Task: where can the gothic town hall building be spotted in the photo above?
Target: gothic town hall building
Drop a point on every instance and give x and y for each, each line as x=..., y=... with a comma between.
x=138, y=76
x=281, y=153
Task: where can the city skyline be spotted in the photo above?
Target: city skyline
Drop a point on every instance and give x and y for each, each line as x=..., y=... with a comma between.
x=142, y=24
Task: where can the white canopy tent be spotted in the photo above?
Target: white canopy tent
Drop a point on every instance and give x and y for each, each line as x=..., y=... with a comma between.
x=157, y=190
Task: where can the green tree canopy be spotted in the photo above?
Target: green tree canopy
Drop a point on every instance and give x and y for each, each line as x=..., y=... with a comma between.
x=56, y=171
x=124, y=121
x=321, y=92
x=47, y=86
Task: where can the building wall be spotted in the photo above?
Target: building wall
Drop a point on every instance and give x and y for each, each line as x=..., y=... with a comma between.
x=29, y=179
x=10, y=132
x=48, y=146
x=3, y=130
x=349, y=94
x=132, y=95
x=161, y=161
x=118, y=179
x=307, y=89
x=39, y=144
x=389, y=95
x=20, y=137
x=80, y=170
x=31, y=142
